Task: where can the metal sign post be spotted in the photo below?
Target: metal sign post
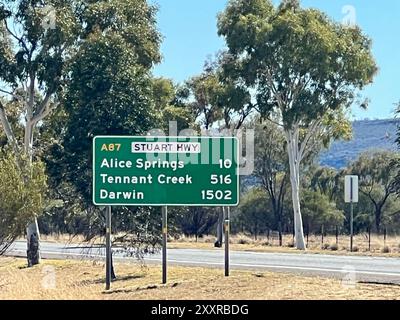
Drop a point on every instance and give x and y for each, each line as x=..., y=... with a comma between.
x=164, y=244
x=108, y=248
x=351, y=196
x=351, y=215
x=227, y=231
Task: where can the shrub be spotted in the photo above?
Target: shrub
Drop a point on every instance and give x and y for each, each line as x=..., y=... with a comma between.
x=385, y=249
x=266, y=243
x=22, y=194
x=290, y=244
x=209, y=239
x=243, y=239
x=355, y=249
x=334, y=247
x=325, y=246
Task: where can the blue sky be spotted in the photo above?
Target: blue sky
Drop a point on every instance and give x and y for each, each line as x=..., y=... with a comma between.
x=190, y=36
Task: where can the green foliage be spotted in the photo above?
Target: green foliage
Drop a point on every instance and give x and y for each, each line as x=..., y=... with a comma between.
x=303, y=69
x=300, y=62
x=271, y=166
x=254, y=213
x=216, y=95
x=29, y=47
x=319, y=211
x=110, y=91
x=170, y=105
x=205, y=90
x=110, y=86
x=22, y=197
x=197, y=221
x=396, y=164
x=377, y=179
x=326, y=181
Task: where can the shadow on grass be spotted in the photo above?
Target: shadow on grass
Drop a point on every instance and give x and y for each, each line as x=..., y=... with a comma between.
x=132, y=290
x=118, y=279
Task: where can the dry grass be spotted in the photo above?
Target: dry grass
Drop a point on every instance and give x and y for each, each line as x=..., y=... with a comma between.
x=84, y=280
x=243, y=242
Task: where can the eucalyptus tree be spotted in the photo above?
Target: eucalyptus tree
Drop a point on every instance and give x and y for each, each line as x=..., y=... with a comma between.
x=304, y=70
x=37, y=39
x=397, y=163
x=327, y=181
x=377, y=179
x=220, y=101
x=53, y=53
x=171, y=105
x=112, y=91
x=254, y=213
x=271, y=167
x=320, y=212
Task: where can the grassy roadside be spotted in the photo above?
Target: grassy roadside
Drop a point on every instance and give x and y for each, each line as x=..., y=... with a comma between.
x=241, y=242
x=85, y=280
x=268, y=249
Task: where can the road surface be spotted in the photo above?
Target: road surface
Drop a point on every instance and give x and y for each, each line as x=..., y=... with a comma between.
x=361, y=268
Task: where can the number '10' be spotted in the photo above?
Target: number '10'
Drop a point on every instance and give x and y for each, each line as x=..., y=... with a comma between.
x=227, y=164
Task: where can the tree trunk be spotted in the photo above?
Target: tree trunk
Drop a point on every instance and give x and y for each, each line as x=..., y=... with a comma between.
x=33, y=243
x=337, y=235
x=369, y=238
x=384, y=236
x=295, y=183
x=280, y=233
x=378, y=216
x=32, y=231
x=322, y=235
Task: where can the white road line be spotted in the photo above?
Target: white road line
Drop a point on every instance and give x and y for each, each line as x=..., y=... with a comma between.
x=264, y=266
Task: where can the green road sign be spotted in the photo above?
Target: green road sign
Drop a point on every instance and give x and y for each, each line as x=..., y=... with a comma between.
x=161, y=171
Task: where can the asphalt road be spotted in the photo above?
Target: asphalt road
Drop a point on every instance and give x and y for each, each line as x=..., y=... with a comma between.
x=359, y=268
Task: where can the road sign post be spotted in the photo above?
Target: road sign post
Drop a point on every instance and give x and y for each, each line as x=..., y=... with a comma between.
x=164, y=247
x=108, y=248
x=165, y=171
x=351, y=196
x=227, y=231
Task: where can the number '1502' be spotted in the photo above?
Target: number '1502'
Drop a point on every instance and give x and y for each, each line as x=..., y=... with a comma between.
x=217, y=194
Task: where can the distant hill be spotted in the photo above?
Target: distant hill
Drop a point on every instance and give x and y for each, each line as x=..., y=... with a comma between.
x=367, y=135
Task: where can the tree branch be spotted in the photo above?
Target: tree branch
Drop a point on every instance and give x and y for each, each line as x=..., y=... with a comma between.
x=8, y=130
x=311, y=131
x=7, y=92
x=20, y=40
x=44, y=109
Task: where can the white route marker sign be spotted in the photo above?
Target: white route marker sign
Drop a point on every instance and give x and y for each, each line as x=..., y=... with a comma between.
x=351, y=189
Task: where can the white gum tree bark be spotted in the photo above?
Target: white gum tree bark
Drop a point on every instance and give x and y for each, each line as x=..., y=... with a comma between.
x=32, y=118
